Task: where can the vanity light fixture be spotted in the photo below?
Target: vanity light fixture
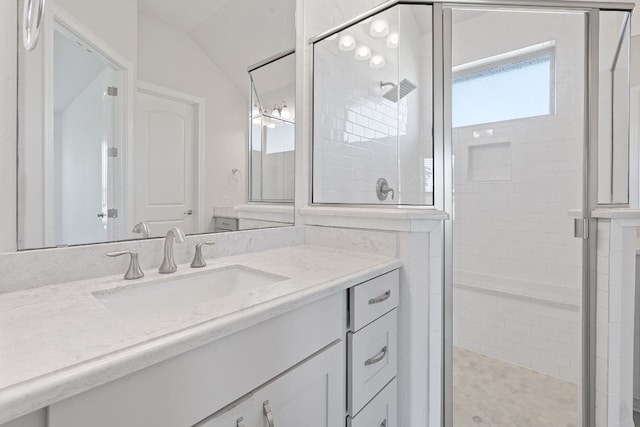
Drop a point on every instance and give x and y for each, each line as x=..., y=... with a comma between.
x=377, y=61
x=347, y=42
x=392, y=40
x=363, y=52
x=275, y=112
x=379, y=28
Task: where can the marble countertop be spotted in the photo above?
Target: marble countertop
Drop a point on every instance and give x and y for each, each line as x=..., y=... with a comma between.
x=58, y=341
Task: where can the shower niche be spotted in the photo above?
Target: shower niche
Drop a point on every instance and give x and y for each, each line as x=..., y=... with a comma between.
x=372, y=92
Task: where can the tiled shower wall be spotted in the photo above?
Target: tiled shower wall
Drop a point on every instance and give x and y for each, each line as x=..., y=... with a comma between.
x=359, y=136
x=515, y=185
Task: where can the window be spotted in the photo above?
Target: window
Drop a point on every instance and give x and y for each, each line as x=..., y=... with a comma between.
x=509, y=86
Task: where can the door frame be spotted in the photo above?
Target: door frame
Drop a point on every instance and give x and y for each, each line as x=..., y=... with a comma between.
x=198, y=103
x=55, y=14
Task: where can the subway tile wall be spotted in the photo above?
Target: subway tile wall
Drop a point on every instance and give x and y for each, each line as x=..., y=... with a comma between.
x=359, y=136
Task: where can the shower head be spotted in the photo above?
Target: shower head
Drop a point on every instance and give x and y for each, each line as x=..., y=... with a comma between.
x=396, y=93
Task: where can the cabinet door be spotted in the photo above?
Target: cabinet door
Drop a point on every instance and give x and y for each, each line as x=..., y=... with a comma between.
x=310, y=395
x=241, y=414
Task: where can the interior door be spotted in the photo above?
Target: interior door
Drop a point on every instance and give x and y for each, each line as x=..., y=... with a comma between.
x=164, y=163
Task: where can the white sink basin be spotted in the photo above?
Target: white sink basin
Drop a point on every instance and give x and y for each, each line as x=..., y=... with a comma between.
x=172, y=294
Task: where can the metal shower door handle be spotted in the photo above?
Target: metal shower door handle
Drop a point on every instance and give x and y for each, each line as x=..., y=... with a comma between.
x=31, y=22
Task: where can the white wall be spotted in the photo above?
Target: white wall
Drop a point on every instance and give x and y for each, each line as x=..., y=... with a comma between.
x=8, y=118
x=169, y=58
x=113, y=21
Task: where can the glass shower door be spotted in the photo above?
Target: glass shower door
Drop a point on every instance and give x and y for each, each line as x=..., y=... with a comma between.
x=517, y=91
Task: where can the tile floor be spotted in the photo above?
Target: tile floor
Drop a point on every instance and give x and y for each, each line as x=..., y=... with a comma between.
x=490, y=392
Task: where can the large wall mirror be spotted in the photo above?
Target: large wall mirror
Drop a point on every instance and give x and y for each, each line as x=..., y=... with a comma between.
x=136, y=116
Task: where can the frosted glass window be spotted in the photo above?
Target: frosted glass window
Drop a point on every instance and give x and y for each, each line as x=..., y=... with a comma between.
x=506, y=91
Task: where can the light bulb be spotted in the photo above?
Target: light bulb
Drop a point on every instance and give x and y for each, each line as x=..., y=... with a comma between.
x=275, y=112
x=284, y=113
x=379, y=28
x=363, y=53
x=392, y=40
x=377, y=61
x=347, y=42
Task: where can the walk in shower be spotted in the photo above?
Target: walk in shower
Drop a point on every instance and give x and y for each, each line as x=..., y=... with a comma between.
x=511, y=118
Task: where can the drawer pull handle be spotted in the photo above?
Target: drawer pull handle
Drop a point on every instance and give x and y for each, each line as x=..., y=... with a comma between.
x=266, y=408
x=377, y=358
x=384, y=423
x=380, y=298
x=240, y=422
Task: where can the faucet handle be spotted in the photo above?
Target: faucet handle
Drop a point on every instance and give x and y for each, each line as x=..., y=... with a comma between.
x=198, y=259
x=134, y=271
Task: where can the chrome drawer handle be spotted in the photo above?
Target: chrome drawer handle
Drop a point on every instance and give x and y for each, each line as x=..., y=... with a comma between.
x=380, y=298
x=377, y=358
x=240, y=422
x=266, y=408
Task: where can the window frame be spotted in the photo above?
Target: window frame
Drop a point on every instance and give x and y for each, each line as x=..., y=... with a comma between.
x=547, y=48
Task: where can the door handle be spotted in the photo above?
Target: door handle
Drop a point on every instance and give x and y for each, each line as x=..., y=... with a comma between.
x=240, y=422
x=266, y=409
x=189, y=212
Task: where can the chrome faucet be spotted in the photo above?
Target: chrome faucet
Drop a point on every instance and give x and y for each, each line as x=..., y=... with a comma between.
x=168, y=263
x=142, y=227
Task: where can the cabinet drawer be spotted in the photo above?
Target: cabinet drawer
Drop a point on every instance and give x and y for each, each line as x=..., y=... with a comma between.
x=372, y=360
x=382, y=411
x=373, y=298
x=228, y=224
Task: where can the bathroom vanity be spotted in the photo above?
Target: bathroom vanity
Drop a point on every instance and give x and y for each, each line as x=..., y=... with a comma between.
x=310, y=340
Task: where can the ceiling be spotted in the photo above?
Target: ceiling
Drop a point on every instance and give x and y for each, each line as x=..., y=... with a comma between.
x=234, y=34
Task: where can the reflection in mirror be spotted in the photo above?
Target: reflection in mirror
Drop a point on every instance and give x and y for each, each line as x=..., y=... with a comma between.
x=272, y=130
x=128, y=130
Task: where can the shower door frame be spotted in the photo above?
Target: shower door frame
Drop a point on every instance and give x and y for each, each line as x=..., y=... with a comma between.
x=442, y=98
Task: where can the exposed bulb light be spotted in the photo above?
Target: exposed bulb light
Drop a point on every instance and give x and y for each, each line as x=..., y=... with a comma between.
x=377, y=61
x=275, y=112
x=347, y=42
x=379, y=28
x=392, y=40
x=284, y=112
x=363, y=53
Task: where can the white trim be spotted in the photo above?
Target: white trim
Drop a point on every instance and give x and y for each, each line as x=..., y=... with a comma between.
x=505, y=57
x=634, y=146
x=198, y=103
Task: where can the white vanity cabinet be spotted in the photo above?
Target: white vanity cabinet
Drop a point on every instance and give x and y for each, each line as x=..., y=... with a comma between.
x=372, y=350
x=303, y=396
x=302, y=346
